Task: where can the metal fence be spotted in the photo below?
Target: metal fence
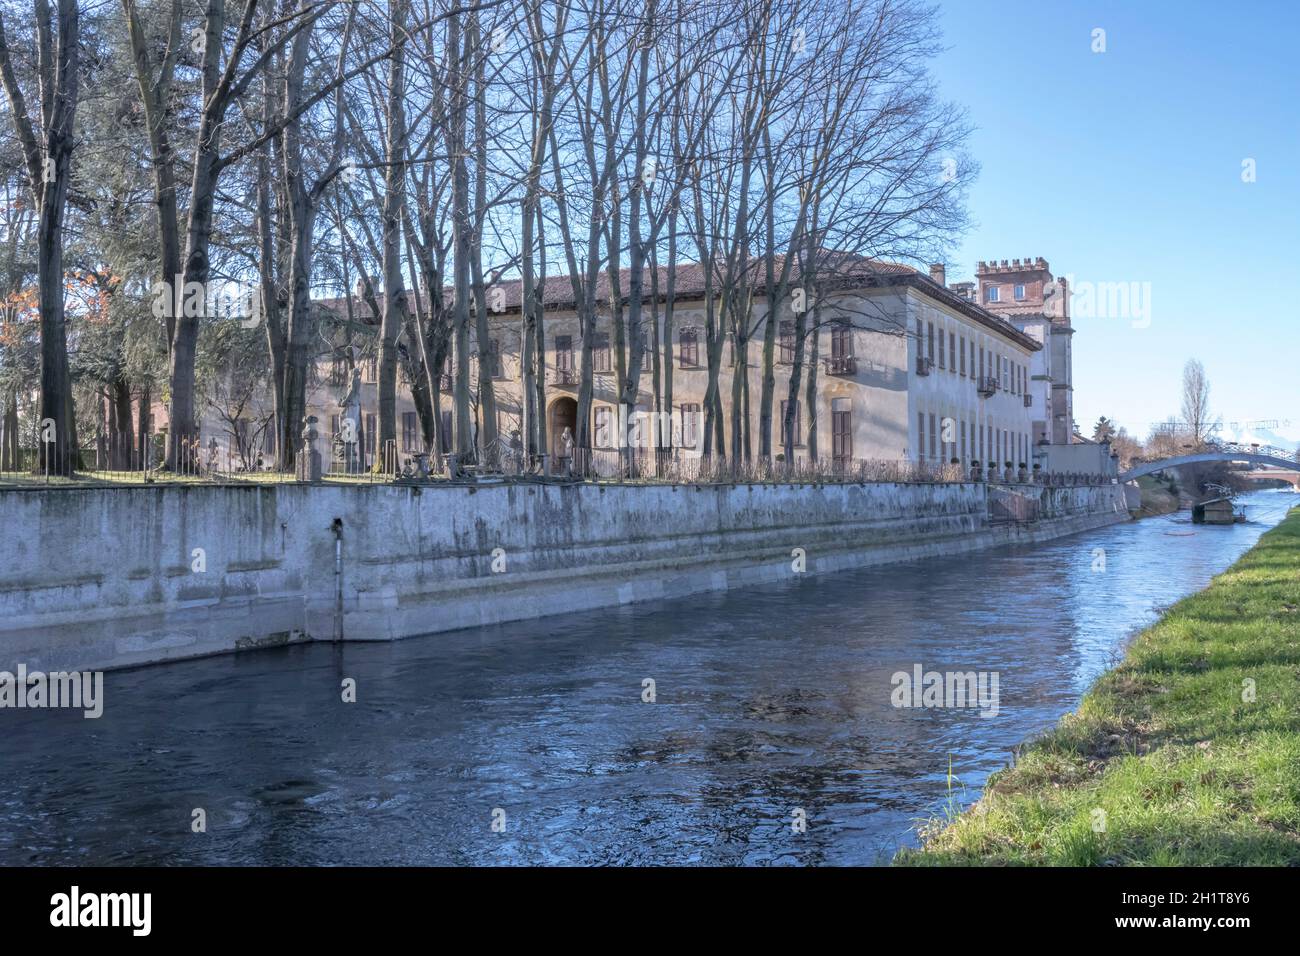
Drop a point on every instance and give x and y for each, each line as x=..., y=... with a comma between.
x=127, y=459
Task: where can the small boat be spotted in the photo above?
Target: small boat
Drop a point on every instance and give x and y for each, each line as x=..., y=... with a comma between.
x=1217, y=511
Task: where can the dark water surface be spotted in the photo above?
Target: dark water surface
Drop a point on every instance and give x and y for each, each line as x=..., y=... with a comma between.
x=768, y=700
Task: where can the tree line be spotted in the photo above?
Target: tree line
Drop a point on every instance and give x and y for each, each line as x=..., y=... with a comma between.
x=404, y=156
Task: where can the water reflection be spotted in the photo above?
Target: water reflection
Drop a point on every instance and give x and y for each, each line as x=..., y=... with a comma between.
x=768, y=700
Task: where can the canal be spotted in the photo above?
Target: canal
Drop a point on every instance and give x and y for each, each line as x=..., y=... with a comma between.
x=534, y=743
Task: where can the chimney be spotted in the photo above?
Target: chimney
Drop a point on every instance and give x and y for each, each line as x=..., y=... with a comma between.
x=939, y=274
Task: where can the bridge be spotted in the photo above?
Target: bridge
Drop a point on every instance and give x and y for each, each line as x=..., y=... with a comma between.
x=1283, y=458
x=1269, y=474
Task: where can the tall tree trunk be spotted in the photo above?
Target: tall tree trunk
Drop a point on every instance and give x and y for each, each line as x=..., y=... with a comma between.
x=270, y=298
x=394, y=304
x=461, y=239
x=155, y=91
x=487, y=359
x=300, y=208
x=642, y=181
x=144, y=455
x=49, y=170
x=122, y=437
x=190, y=299
x=810, y=399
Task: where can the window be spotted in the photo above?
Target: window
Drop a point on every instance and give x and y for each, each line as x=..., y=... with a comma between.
x=841, y=431
x=941, y=349
x=841, y=340
x=494, y=358
x=963, y=439
x=1019, y=292
x=409, y=432
x=963, y=356
x=688, y=348
x=371, y=432
x=920, y=436
x=929, y=340
x=787, y=344
x=692, y=422
x=797, y=430
x=952, y=351
x=981, y=361
x=604, y=437
x=564, y=353
x=600, y=352
x=372, y=369
x=444, y=438
x=647, y=352
x=338, y=372
x=934, y=438
x=991, y=295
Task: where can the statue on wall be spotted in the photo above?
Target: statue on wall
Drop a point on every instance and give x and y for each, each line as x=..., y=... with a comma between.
x=350, y=424
x=309, y=463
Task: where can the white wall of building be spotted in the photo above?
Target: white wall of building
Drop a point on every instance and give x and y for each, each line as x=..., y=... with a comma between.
x=997, y=427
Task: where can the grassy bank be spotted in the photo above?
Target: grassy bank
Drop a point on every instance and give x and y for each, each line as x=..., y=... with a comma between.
x=1159, y=496
x=1170, y=759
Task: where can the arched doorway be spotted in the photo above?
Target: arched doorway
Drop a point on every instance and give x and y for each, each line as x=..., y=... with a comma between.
x=563, y=414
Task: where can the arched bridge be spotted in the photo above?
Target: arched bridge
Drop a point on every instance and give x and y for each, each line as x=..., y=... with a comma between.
x=1230, y=451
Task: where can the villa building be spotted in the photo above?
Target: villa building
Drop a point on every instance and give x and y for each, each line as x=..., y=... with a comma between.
x=909, y=370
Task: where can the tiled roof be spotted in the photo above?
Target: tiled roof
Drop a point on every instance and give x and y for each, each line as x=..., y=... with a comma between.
x=852, y=272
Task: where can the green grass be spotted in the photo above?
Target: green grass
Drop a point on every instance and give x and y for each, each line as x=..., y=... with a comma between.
x=1185, y=769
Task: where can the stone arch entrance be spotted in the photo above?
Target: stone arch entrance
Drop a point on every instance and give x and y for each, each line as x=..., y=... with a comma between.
x=563, y=414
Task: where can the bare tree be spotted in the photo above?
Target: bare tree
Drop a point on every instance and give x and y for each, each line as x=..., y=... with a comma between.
x=1196, y=404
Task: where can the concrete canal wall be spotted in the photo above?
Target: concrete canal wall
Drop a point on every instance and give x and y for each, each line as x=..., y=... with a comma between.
x=111, y=577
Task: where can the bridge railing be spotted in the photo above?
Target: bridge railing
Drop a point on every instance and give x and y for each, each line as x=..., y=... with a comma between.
x=1241, y=448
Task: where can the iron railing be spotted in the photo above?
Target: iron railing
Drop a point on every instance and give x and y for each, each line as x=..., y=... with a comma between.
x=222, y=459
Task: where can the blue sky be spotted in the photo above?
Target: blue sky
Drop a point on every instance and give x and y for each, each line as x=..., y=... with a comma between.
x=1126, y=166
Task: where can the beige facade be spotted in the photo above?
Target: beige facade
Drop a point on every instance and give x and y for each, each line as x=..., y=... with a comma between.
x=907, y=372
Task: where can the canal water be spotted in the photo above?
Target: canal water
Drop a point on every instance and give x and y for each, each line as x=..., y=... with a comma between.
x=531, y=743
